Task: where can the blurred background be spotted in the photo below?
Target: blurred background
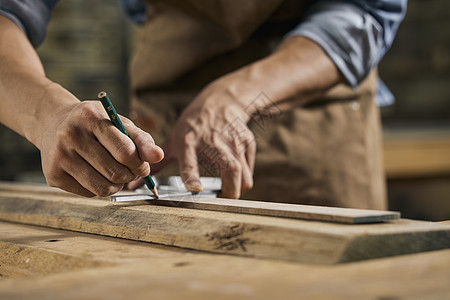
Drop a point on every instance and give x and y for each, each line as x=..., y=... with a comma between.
x=89, y=43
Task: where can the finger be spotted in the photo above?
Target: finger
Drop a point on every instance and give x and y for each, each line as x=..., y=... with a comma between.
x=230, y=169
x=147, y=149
x=121, y=147
x=244, y=150
x=247, y=159
x=99, y=158
x=135, y=184
x=247, y=174
x=231, y=175
x=69, y=184
x=169, y=157
x=188, y=163
x=250, y=155
x=155, y=168
x=89, y=178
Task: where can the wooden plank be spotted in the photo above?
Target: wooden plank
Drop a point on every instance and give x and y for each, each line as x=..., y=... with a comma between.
x=136, y=270
x=30, y=251
x=294, y=211
x=220, y=232
x=285, y=210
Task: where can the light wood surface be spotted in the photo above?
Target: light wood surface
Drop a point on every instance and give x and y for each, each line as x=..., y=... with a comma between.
x=96, y=267
x=220, y=232
x=33, y=251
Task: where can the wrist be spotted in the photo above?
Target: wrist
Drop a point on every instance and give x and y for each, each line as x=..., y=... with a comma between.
x=299, y=69
x=245, y=89
x=50, y=107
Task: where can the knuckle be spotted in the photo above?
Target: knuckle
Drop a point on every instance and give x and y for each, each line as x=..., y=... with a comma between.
x=234, y=167
x=117, y=174
x=141, y=169
x=87, y=110
x=188, y=139
x=126, y=122
x=126, y=152
x=143, y=138
x=214, y=138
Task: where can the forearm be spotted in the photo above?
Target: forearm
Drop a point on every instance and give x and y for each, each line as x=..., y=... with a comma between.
x=27, y=97
x=81, y=150
x=298, y=68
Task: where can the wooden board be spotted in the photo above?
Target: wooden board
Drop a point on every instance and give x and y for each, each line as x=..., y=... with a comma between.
x=33, y=251
x=220, y=232
x=284, y=210
x=43, y=263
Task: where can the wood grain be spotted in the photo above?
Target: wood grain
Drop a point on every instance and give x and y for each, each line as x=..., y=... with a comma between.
x=221, y=232
x=133, y=270
x=294, y=211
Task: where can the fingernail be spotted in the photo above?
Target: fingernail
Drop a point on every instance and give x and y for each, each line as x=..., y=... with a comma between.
x=194, y=187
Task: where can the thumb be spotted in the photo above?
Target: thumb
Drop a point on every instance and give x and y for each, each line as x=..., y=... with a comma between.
x=155, y=168
x=147, y=149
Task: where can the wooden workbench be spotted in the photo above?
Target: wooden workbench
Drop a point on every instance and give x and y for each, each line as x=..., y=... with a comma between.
x=249, y=256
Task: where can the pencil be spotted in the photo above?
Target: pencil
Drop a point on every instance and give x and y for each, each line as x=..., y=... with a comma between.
x=111, y=111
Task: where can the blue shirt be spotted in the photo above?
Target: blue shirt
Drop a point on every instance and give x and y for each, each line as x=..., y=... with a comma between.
x=354, y=34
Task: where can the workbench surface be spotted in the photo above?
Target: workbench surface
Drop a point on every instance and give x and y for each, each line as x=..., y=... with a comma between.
x=38, y=263
x=258, y=257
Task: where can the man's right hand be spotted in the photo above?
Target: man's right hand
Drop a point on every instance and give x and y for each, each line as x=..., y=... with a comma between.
x=84, y=153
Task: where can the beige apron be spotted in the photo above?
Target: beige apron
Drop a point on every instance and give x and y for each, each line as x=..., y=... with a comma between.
x=322, y=154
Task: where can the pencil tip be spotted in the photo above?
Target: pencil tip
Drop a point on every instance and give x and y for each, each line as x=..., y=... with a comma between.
x=155, y=192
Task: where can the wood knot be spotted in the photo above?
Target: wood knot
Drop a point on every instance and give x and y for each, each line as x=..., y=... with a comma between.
x=232, y=237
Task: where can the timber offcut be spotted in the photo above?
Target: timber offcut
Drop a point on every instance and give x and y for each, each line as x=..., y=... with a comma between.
x=221, y=232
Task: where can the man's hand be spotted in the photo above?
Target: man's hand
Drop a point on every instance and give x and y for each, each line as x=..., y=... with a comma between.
x=212, y=136
x=84, y=153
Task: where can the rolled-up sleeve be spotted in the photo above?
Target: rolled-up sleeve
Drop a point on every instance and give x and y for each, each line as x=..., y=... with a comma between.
x=354, y=34
x=32, y=16
x=135, y=10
